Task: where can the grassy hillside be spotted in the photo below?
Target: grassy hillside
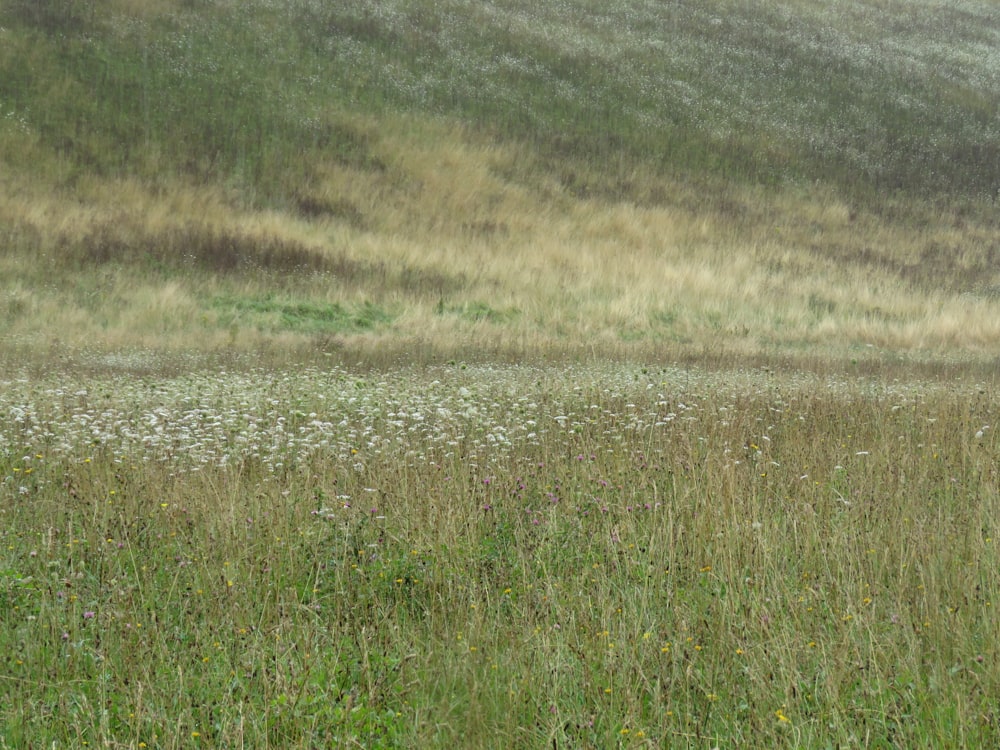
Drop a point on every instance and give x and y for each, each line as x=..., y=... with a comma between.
x=269, y=476
x=509, y=177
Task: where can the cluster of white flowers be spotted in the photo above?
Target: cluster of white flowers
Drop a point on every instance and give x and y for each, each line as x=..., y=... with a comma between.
x=416, y=417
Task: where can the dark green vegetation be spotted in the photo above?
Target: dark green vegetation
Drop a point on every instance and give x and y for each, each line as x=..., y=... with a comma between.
x=863, y=96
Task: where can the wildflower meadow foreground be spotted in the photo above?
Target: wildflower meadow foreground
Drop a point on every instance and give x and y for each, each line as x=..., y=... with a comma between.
x=581, y=556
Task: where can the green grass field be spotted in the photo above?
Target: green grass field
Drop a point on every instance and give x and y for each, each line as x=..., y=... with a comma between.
x=499, y=374
x=589, y=556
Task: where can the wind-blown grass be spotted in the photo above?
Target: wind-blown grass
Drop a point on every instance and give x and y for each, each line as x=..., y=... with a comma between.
x=526, y=556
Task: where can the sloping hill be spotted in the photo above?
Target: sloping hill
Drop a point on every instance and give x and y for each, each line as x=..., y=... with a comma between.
x=500, y=176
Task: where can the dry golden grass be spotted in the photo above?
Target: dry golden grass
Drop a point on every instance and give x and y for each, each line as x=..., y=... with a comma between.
x=464, y=254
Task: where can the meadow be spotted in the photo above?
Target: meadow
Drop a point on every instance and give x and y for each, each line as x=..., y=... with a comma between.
x=572, y=556
x=479, y=374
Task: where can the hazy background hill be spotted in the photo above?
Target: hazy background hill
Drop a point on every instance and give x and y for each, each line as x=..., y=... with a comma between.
x=500, y=177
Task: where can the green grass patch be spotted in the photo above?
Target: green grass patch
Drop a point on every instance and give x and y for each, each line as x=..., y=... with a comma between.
x=300, y=316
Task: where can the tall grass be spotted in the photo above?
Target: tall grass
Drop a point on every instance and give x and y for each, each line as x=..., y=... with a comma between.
x=472, y=262
x=606, y=557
